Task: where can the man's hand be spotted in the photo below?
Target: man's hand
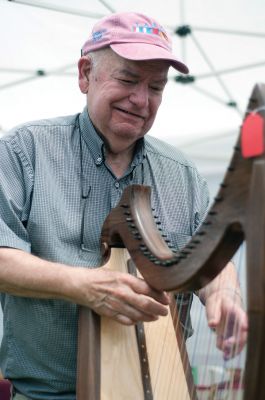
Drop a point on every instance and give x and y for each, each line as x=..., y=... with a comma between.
x=227, y=318
x=121, y=296
x=225, y=313
x=118, y=295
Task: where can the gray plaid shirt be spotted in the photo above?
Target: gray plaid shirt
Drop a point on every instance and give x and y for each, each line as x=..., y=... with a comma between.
x=55, y=193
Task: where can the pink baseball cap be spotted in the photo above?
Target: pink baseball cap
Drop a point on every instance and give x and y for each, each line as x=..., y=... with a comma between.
x=133, y=36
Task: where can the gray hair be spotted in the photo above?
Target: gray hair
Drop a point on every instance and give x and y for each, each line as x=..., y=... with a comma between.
x=99, y=57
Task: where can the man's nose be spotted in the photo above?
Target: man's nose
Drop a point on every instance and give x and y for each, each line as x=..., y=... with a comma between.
x=140, y=96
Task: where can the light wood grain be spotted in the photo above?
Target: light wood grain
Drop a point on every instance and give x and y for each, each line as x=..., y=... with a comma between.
x=120, y=366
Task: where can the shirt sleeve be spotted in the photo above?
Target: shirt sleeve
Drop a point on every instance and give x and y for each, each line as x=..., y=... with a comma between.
x=16, y=183
x=201, y=201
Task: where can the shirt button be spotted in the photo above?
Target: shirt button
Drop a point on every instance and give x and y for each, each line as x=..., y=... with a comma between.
x=98, y=160
x=117, y=185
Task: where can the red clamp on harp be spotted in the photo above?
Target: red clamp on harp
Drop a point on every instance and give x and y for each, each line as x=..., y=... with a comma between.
x=252, y=138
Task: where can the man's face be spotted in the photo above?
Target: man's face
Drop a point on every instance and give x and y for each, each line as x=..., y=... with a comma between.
x=123, y=98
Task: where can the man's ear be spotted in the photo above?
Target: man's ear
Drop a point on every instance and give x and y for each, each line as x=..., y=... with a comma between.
x=84, y=68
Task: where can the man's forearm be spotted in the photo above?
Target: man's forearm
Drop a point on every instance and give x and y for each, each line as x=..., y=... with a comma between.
x=23, y=274
x=227, y=281
x=123, y=297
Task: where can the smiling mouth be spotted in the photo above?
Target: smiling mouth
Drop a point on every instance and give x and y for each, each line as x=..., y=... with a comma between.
x=130, y=113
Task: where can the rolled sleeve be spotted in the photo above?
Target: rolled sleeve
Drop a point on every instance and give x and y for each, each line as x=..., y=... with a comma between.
x=16, y=182
x=201, y=202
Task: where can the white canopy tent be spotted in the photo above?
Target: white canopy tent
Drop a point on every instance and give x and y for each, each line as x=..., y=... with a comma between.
x=222, y=42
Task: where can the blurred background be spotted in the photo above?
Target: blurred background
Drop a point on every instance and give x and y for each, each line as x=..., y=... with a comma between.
x=222, y=42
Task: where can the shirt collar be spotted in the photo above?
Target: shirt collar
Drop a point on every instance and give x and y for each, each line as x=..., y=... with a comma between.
x=140, y=153
x=93, y=141
x=96, y=145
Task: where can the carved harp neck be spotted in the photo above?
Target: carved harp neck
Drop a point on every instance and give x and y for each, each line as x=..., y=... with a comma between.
x=132, y=223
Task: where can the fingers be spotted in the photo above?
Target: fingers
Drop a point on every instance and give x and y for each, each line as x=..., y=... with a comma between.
x=130, y=312
x=233, y=345
x=235, y=335
x=229, y=321
x=125, y=298
x=146, y=300
x=131, y=292
x=231, y=334
x=141, y=287
x=213, y=313
x=228, y=347
x=122, y=319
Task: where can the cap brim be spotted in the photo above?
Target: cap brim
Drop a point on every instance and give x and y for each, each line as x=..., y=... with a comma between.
x=146, y=51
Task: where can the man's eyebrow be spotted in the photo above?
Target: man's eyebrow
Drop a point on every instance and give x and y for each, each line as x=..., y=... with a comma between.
x=128, y=73
x=163, y=81
x=134, y=75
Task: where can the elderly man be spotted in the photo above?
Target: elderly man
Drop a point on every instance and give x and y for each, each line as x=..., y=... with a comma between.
x=59, y=180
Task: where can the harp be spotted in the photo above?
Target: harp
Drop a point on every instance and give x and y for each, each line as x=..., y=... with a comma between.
x=237, y=214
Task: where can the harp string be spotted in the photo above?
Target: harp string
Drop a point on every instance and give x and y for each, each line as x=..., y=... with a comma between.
x=196, y=343
x=175, y=315
x=242, y=280
x=210, y=344
x=217, y=391
x=178, y=310
x=184, y=307
x=177, y=318
x=183, y=348
x=242, y=263
x=159, y=368
x=235, y=385
x=172, y=360
x=159, y=363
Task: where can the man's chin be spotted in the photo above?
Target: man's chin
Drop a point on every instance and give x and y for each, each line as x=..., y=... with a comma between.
x=129, y=137
x=123, y=140
x=128, y=133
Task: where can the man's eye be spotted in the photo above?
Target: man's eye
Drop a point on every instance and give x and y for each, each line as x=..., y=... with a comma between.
x=157, y=88
x=127, y=81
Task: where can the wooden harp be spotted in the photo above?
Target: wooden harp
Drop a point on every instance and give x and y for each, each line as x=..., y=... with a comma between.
x=237, y=214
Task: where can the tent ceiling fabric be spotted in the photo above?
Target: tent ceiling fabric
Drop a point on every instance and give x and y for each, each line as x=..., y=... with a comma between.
x=223, y=46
